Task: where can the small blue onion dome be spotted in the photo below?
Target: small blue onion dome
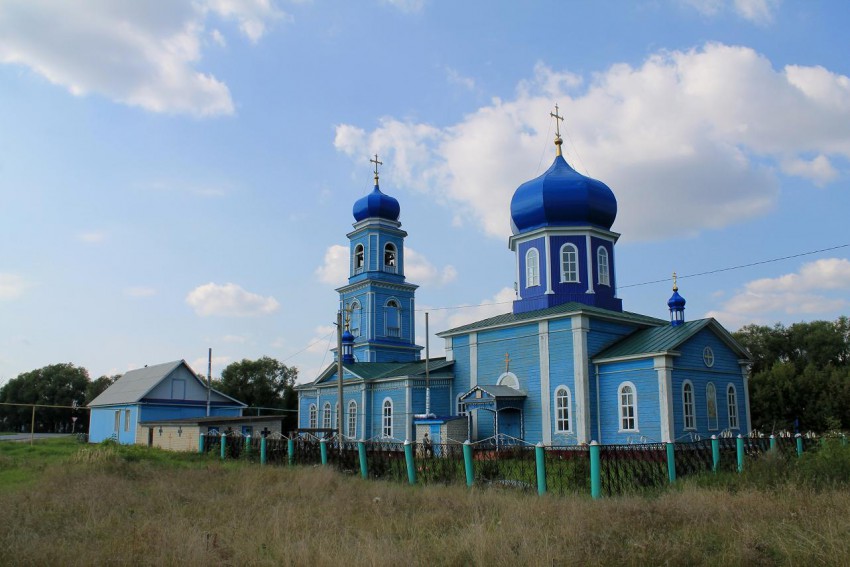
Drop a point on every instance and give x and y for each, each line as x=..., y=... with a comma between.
x=676, y=301
x=562, y=197
x=376, y=204
x=347, y=337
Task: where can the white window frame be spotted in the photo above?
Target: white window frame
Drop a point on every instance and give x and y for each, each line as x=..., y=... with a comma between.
x=327, y=417
x=392, y=268
x=359, y=254
x=117, y=426
x=603, y=266
x=127, y=420
x=460, y=406
x=621, y=407
x=354, y=316
x=689, y=406
x=711, y=396
x=563, y=411
x=352, y=420
x=569, y=247
x=732, y=406
x=392, y=304
x=313, y=416
x=387, y=418
x=708, y=356
x=532, y=267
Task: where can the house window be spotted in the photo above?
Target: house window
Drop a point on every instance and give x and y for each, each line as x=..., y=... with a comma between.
x=352, y=419
x=602, y=263
x=326, y=416
x=393, y=314
x=689, y=409
x=532, y=268
x=314, y=417
x=354, y=319
x=569, y=263
x=387, y=419
x=359, y=258
x=711, y=405
x=117, y=420
x=126, y=420
x=562, y=410
x=732, y=401
x=628, y=407
x=390, y=258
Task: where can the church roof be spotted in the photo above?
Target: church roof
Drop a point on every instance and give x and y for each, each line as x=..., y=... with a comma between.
x=378, y=370
x=570, y=308
x=376, y=205
x=658, y=340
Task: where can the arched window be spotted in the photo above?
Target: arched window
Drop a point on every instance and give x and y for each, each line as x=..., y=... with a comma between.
x=352, y=420
x=359, y=258
x=532, y=268
x=508, y=379
x=602, y=263
x=390, y=258
x=314, y=417
x=569, y=263
x=326, y=416
x=628, y=407
x=354, y=318
x=387, y=419
x=711, y=405
x=732, y=402
x=393, y=318
x=562, y=410
x=688, y=406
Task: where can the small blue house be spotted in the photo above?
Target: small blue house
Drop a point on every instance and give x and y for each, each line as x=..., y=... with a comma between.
x=566, y=366
x=160, y=392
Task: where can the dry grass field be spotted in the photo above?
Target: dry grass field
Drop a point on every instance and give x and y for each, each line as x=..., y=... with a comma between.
x=66, y=504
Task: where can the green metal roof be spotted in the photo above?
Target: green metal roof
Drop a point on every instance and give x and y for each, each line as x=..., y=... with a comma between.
x=377, y=370
x=563, y=309
x=666, y=338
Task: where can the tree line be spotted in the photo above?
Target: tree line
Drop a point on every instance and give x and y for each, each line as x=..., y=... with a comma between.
x=265, y=385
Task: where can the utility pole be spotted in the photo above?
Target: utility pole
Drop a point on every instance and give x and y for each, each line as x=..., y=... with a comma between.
x=427, y=375
x=339, y=371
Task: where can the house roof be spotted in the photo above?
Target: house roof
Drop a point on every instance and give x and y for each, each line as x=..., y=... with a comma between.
x=134, y=385
x=377, y=370
x=657, y=340
x=571, y=308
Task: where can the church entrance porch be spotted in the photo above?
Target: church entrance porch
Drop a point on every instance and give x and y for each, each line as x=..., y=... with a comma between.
x=498, y=411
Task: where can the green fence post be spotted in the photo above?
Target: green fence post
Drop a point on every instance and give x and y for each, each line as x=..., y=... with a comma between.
x=223, y=445
x=201, y=444
x=740, y=445
x=290, y=451
x=247, y=445
x=323, y=445
x=408, y=458
x=799, y=445
x=364, y=465
x=595, y=471
x=773, y=443
x=715, y=453
x=467, y=462
x=540, y=457
x=843, y=440
x=262, y=450
x=671, y=462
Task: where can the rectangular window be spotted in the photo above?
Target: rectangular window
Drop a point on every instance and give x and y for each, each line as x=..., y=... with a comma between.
x=733, y=408
x=117, y=420
x=126, y=420
x=688, y=399
x=352, y=420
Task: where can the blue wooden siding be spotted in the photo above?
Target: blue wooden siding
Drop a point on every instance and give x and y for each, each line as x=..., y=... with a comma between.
x=395, y=392
x=102, y=424
x=602, y=334
x=561, y=372
x=645, y=379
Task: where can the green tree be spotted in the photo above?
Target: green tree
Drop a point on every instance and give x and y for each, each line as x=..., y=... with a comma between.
x=57, y=384
x=261, y=383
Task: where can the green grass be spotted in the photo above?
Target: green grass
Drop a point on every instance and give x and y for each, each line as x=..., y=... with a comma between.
x=109, y=504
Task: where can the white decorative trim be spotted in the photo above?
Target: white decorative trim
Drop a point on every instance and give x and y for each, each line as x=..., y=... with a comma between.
x=508, y=379
x=548, y=265
x=546, y=416
x=392, y=418
x=363, y=431
x=517, y=287
x=408, y=414
x=601, y=252
x=532, y=268
x=449, y=349
x=745, y=374
x=589, y=264
x=570, y=428
x=620, y=407
x=574, y=248
x=580, y=328
x=664, y=368
x=473, y=376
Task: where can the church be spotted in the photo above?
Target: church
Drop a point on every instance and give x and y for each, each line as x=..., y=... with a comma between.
x=567, y=365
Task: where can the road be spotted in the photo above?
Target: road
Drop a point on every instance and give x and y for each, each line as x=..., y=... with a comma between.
x=26, y=436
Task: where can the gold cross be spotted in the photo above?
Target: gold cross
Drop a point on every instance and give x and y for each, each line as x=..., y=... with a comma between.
x=507, y=362
x=558, y=119
x=675, y=282
x=377, y=163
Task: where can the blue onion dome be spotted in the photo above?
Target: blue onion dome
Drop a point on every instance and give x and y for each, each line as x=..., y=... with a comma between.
x=676, y=301
x=376, y=204
x=562, y=197
x=347, y=337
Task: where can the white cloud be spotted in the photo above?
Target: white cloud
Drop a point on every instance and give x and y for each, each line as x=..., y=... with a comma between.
x=810, y=291
x=756, y=11
x=406, y=5
x=218, y=38
x=218, y=364
x=138, y=53
x=12, y=286
x=688, y=141
x=139, y=291
x=234, y=339
x=334, y=270
x=229, y=300
x=499, y=304
x=456, y=78
x=92, y=237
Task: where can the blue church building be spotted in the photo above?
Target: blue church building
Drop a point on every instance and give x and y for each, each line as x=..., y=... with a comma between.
x=567, y=365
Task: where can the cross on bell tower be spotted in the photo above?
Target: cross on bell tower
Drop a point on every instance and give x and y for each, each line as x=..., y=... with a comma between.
x=558, y=119
x=377, y=163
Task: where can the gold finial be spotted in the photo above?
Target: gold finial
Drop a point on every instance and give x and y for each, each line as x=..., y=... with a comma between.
x=675, y=282
x=558, y=119
x=507, y=362
x=377, y=163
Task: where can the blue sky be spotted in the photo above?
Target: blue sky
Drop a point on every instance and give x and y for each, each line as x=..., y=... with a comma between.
x=177, y=175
